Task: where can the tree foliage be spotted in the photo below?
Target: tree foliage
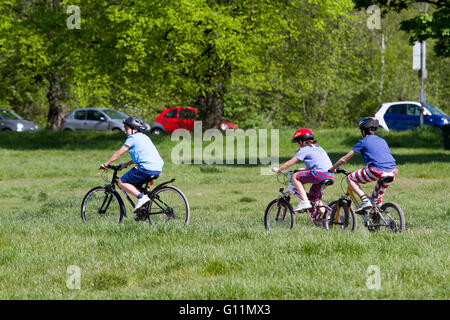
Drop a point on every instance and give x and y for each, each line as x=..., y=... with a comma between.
x=255, y=62
x=426, y=25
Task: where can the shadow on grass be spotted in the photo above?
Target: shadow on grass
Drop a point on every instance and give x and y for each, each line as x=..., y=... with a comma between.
x=65, y=140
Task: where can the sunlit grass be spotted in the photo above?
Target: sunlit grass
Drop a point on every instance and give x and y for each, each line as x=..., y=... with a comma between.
x=225, y=252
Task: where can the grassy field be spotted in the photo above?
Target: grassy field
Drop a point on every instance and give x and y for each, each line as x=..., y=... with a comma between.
x=225, y=252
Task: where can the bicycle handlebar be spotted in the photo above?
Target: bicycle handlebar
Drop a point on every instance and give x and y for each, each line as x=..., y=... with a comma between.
x=115, y=168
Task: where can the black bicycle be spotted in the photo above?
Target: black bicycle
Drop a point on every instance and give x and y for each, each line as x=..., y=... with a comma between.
x=167, y=203
x=388, y=215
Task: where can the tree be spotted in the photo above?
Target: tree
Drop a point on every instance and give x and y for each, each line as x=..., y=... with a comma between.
x=424, y=25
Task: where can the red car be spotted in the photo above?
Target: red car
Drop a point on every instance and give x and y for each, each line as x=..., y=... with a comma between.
x=174, y=118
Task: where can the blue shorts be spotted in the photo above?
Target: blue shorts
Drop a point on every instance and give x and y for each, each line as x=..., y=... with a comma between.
x=137, y=177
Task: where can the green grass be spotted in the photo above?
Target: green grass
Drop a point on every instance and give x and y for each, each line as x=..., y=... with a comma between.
x=225, y=252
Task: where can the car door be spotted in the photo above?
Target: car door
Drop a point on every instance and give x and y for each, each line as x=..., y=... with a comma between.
x=96, y=120
x=186, y=118
x=169, y=120
x=79, y=119
x=412, y=116
x=395, y=117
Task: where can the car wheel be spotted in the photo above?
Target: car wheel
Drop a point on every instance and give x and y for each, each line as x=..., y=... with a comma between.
x=157, y=131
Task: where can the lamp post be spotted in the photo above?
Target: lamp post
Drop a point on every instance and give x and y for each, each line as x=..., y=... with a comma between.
x=423, y=8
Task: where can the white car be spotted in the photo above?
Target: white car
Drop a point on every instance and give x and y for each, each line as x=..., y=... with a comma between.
x=404, y=115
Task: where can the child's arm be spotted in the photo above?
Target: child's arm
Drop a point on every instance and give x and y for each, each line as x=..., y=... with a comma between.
x=287, y=164
x=126, y=164
x=115, y=156
x=342, y=160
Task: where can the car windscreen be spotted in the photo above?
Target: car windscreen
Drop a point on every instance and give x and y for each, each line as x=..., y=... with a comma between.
x=434, y=110
x=8, y=114
x=114, y=114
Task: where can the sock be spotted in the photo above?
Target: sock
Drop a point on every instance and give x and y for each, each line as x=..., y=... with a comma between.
x=364, y=197
x=140, y=195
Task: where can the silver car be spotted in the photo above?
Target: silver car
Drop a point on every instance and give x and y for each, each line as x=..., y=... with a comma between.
x=94, y=119
x=11, y=121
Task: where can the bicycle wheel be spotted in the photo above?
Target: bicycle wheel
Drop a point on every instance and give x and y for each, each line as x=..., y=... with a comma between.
x=323, y=218
x=394, y=217
x=279, y=215
x=168, y=204
x=342, y=216
x=99, y=204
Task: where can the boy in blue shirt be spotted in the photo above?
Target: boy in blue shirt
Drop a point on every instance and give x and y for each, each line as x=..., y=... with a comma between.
x=143, y=153
x=378, y=159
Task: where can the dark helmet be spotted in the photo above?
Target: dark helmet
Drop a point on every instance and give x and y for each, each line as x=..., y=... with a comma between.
x=134, y=123
x=369, y=123
x=302, y=134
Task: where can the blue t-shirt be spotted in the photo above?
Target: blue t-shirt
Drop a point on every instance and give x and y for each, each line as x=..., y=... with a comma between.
x=375, y=152
x=315, y=158
x=143, y=152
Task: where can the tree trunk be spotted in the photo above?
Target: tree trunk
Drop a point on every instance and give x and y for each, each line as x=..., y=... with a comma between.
x=57, y=95
x=211, y=106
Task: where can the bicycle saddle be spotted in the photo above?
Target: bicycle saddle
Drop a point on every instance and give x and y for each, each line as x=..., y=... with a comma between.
x=326, y=183
x=387, y=177
x=151, y=178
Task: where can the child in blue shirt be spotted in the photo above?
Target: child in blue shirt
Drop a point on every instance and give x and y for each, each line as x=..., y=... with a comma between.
x=143, y=153
x=378, y=159
x=317, y=163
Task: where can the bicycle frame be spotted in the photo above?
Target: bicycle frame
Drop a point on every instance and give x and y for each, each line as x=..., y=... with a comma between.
x=313, y=211
x=145, y=189
x=366, y=215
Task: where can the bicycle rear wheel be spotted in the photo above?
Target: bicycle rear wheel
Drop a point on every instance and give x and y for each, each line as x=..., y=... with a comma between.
x=342, y=216
x=100, y=204
x=168, y=204
x=394, y=217
x=279, y=215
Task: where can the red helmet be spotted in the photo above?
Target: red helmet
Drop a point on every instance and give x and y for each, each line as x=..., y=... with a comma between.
x=302, y=134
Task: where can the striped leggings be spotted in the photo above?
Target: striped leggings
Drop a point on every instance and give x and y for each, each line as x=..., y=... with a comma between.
x=314, y=177
x=368, y=174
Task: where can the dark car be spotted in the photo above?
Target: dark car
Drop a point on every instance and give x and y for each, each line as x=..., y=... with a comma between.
x=404, y=115
x=95, y=119
x=11, y=121
x=174, y=118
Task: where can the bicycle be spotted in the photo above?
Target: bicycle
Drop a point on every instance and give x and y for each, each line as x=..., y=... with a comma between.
x=373, y=217
x=167, y=203
x=280, y=214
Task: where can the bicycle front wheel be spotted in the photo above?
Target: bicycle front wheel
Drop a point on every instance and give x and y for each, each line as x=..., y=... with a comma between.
x=279, y=215
x=99, y=204
x=394, y=217
x=168, y=204
x=342, y=216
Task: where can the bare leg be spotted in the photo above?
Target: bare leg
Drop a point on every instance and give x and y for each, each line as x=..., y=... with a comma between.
x=128, y=188
x=355, y=187
x=299, y=186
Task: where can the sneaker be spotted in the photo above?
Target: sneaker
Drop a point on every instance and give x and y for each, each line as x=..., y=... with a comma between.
x=364, y=205
x=302, y=205
x=141, y=202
